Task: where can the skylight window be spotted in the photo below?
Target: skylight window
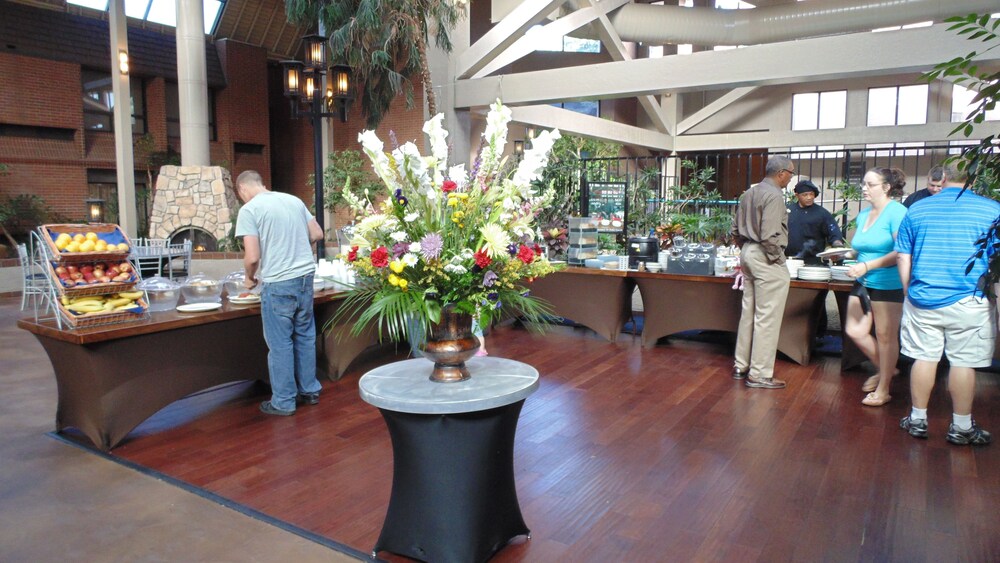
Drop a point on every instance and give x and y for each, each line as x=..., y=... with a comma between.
x=157, y=11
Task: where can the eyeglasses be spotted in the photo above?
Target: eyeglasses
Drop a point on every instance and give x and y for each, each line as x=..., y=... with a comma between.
x=792, y=172
x=875, y=185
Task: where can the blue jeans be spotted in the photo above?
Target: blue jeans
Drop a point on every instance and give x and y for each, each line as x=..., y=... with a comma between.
x=290, y=331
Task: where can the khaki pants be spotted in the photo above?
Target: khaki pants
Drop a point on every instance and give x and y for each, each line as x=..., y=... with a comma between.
x=765, y=287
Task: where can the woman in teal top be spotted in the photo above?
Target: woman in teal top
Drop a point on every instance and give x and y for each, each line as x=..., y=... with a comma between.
x=877, y=295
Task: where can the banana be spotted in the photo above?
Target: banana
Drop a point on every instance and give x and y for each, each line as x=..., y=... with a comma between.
x=96, y=298
x=127, y=306
x=130, y=294
x=86, y=307
x=118, y=302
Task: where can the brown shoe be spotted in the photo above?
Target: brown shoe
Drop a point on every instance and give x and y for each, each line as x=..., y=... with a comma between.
x=737, y=374
x=764, y=383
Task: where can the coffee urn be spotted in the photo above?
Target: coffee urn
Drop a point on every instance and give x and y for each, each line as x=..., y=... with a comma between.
x=642, y=249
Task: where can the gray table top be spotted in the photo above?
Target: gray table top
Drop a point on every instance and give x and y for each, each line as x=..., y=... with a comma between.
x=405, y=386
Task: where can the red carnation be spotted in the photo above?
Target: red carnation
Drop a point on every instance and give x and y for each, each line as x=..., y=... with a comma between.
x=483, y=259
x=537, y=249
x=525, y=254
x=448, y=186
x=353, y=254
x=380, y=257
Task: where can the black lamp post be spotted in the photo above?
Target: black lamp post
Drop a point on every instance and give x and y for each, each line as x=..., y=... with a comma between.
x=304, y=85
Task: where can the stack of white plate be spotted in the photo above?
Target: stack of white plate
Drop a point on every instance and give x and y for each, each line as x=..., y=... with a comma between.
x=793, y=266
x=839, y=273
x=653, y=266
x=814, y=273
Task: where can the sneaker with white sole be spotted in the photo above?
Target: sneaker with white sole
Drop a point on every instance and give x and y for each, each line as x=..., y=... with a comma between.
x=916, y=428
x=974, y=436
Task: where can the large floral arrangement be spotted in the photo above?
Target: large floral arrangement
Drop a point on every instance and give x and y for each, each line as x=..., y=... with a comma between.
x=447, y=236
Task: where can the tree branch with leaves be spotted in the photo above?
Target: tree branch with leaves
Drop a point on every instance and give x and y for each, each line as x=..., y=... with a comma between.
x=385, y=44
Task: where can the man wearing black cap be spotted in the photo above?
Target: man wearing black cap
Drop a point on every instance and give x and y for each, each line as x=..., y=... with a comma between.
x=811, y=228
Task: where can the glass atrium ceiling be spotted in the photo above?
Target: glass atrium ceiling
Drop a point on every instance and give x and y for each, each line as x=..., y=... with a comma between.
x=157, y=11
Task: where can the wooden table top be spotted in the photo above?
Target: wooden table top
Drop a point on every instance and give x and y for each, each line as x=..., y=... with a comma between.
x=156, y=322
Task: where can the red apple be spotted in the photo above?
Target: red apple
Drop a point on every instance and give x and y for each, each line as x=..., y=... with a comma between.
x=113, y=271
x=86, y=268
x=72, y=269
x=104, y=279
x=68, y=282
x=125, y=267
x=61, y=270
x=76, y=276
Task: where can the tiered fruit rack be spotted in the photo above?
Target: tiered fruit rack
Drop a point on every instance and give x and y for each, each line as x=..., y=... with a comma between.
x=55, y=258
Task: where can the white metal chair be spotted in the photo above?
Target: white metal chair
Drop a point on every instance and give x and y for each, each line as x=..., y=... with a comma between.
x=35, y=284
x=147, y=255
x=178, y=259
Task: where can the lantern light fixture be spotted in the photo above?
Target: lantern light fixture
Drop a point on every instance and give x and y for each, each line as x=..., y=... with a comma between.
x=95, y=210
x=304, y=84
x=315, y=58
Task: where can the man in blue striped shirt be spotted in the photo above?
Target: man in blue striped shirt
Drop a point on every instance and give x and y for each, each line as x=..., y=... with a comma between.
x=946, y=309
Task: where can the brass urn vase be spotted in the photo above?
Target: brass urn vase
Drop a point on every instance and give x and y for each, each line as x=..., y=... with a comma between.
x=449, y=344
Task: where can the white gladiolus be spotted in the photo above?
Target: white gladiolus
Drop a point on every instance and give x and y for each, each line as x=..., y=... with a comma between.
x=414, y=247
x=458, y=175
x=398, y=236
x=536, y=159
x=411, y=165
x=411, y=217
x=495, y=136
x=438, y=136
x=372, y=146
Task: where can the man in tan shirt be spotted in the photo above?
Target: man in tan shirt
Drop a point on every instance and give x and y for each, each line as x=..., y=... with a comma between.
x=761, y=228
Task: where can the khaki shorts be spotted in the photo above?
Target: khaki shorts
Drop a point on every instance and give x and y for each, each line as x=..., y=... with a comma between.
x=965, y=331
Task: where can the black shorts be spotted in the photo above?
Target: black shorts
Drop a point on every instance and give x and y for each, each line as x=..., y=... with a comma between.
x=890, y=295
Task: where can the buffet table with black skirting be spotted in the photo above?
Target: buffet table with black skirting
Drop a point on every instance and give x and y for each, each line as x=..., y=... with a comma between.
x=112, y=378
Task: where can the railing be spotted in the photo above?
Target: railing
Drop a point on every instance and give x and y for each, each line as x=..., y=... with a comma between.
x=609, y=185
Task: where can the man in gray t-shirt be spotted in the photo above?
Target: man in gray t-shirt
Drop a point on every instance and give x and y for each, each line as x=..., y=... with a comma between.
x=278, y=232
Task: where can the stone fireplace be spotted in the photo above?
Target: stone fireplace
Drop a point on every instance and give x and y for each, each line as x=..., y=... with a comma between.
x=193, y=199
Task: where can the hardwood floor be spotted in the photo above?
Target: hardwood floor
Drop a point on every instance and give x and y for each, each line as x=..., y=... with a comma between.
x=625, y=454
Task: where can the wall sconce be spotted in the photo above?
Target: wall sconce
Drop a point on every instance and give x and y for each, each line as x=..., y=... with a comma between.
x=95, y=210
x=122, y=62
x=518, y=149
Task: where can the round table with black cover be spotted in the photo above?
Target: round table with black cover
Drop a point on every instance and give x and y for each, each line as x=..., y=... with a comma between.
x=453, y=495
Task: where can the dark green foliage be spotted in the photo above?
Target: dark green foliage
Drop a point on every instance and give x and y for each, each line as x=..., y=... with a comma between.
x=981, y=161
x=346, y=166
x=384, y=42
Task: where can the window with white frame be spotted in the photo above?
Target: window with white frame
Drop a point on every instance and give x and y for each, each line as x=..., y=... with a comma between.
x=962, y=105
x=957, y=146
x=907, y=26
x=587, y=107
x=895, y=149
x=819, y=110
x=821, y=151
x=897, y=105
x=546, y=41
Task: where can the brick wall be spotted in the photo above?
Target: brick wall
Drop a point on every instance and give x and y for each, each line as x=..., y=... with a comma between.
x=242, y=107
x=40, y=92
